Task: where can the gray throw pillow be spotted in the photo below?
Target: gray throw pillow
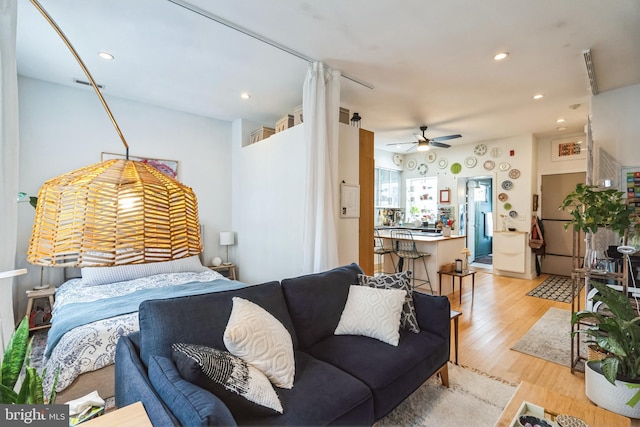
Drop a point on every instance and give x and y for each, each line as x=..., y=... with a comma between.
x=402, y=281
x=239, y=385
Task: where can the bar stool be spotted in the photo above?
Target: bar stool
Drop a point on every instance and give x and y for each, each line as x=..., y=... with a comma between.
x=380, y=250
x=405, y=248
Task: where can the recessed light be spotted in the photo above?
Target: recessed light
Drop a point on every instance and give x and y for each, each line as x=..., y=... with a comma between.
x=538, y=96
x=560, y=120
x=561, y=128
x=500, y=56
x=245, y=95
x=105, y=55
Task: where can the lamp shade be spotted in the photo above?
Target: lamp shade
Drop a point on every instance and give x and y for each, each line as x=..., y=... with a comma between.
x=112, y=213
x=227, y=238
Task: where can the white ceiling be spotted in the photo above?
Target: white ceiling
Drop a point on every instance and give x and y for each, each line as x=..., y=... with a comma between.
x=429, y=62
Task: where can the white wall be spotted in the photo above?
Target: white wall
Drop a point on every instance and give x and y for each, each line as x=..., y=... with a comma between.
x=268, y=202
x=615, y=124
x=62, y=129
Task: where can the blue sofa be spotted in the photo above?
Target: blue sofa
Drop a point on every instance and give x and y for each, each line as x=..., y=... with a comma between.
x=339, y=379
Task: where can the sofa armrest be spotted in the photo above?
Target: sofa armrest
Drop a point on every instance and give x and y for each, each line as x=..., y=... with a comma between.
x=192, y=405
x=133, y=385
x=433, y=314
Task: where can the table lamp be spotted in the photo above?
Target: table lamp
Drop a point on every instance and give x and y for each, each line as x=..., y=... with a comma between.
x=227, y=238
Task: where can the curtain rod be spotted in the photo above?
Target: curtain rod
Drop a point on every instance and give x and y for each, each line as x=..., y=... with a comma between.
x=258, y=37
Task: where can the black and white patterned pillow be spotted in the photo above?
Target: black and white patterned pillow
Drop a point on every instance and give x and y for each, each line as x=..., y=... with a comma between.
x=402, y=281
x=239, y=385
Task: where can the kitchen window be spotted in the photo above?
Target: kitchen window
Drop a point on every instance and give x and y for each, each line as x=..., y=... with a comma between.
x=387, y=188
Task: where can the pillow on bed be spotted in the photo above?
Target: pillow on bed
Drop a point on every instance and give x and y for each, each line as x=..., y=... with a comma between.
x=102, y=275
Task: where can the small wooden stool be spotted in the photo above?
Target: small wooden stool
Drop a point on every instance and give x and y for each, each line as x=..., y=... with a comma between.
x=32, y=295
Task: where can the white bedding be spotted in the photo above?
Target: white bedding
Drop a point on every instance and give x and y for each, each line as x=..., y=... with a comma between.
x=92, y=346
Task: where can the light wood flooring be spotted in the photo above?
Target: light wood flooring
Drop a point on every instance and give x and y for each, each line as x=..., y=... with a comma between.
x=497, y=317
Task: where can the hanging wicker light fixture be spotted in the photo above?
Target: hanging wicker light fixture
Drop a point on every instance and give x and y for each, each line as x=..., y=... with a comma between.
x=114, y=212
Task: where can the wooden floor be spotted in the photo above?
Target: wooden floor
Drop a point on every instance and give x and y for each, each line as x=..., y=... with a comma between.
x=498, y=316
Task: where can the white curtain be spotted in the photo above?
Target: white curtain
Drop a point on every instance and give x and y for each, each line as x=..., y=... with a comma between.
x=8, y=162
x=320, y=109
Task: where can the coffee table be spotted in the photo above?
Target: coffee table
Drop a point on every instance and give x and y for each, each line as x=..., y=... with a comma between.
x=555, y=404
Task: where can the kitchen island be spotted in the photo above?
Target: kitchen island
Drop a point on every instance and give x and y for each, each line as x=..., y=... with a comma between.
x=443, y=250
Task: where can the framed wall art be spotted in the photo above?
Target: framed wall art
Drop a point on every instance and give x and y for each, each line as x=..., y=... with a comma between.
x=630, y=185
x=445, y=196
x=568, y=149
x=167, y=167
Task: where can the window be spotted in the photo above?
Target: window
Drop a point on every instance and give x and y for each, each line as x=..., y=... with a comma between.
x=422, y=199
x=387, y=188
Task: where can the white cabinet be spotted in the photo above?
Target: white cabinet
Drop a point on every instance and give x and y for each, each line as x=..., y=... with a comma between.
x=510, y=251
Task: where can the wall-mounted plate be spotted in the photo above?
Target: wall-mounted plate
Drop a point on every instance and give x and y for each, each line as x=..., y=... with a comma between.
x=470, y=161
x=507, y=185
x=442, y=163
x=411, y=164
x=489, y=165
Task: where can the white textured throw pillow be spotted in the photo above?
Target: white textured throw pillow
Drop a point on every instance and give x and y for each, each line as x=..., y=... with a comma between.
x=255, y=336
x=373, y=313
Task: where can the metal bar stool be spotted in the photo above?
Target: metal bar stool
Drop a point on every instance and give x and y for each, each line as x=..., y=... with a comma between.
x=405, y=248
x=380, y=250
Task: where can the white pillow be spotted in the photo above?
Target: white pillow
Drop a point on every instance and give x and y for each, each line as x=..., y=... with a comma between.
x=102, y=275
x=255, y=336
x=372, y=312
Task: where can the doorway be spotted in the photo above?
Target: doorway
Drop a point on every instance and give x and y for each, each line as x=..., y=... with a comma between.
x=479, y=195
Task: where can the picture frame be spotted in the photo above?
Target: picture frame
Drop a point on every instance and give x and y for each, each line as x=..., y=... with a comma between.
x=167, y=167
x=563, y=149
x=349, y=200
x=630, y=186
x=445, y=196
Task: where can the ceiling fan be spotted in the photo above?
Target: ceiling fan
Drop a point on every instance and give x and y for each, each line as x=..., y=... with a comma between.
x=423, y=143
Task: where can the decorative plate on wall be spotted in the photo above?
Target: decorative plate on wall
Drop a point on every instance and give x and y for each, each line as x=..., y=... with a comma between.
x=442, y=163
x=507, y=185
x=489, y=165
x=430, y=157
x=397, y=159
x=423, y=169
x=480, y=149
x=470, y=161
x=503, y=197
x=496, y=152
x=513, y=214
x=456, y=168
x=507, y=206
x=411, y=164
x=514, y=174
x=504, y=166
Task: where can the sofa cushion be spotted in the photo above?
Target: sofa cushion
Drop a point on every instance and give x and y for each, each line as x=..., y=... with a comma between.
x=202, y=319
x=258, y=338
x=372, y=312
x=392, y=373
x=239, y=385
x=402, y=281
x=322, y=395
x=191, y=405
x=316, y=302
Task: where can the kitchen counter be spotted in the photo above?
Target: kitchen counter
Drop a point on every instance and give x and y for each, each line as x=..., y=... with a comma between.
x=443, y=250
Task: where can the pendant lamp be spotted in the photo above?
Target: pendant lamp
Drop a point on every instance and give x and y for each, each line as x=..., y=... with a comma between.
x=113, y=212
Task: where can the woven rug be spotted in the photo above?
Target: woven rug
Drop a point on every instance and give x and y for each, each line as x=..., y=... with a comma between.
x=550, y=338
x=471, y=395
x=556, y=288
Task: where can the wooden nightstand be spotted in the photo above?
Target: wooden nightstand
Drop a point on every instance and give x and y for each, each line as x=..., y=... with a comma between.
x=227, y=270
x=32, y=295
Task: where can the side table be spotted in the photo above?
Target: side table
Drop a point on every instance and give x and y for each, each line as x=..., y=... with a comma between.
x=460, y=276
x=455, y=315
x=34, y=294
x=133, y=415
x=230, y=269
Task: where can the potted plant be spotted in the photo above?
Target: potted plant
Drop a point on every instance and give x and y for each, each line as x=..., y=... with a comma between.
x=613, y=382
x=16, y=357
x=593, y=208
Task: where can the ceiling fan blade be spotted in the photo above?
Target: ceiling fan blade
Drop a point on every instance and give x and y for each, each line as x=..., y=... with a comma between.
x=419, y=137
x=446, y=137
x=438, y=144
x=402, y=143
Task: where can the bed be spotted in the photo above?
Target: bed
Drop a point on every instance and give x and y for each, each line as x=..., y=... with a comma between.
x=91, y=313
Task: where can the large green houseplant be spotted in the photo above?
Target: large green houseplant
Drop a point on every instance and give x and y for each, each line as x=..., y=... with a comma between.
x=613, y=332
x=592, y=207
x=16, y=357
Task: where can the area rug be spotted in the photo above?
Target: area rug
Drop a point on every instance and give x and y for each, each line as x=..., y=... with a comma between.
x=471, y=396
x=550, y=338
x=486, y=259
x=556, y=288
